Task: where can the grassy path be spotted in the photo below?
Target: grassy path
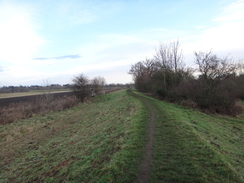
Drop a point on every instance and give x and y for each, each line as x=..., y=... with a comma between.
x=146, y=164
x=181, y=153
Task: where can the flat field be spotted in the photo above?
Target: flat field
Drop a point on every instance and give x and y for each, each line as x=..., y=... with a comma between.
x=30, y=93
x=119, y=137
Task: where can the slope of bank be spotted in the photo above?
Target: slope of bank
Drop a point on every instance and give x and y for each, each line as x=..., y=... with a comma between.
x=100, y=141
x=190, y=146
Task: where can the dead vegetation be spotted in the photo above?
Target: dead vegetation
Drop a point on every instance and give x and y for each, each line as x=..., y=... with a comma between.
x=40, y=105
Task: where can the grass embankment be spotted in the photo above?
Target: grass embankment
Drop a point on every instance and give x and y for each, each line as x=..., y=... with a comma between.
x=190, y=146
x=104, y=141
x=100, y=141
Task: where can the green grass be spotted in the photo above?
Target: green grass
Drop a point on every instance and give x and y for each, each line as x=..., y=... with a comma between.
x=100, y=141
x=104, y=140
x=191, y=146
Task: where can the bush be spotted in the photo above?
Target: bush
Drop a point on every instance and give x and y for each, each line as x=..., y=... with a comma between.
x=81, y=87
x=240, y=86
x=217, y=88
x=189, y=103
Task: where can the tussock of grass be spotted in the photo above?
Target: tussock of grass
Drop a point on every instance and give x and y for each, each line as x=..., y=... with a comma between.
x=100, y=141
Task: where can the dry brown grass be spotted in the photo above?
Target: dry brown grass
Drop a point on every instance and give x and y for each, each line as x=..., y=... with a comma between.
x=40, y=105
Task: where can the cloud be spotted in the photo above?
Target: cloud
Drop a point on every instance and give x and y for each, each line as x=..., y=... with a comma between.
x=77, y=12
x=223, y=34
x=109, y=54
x=58, y=58
x=232, y=12
x=73, y=13
x=18, y=33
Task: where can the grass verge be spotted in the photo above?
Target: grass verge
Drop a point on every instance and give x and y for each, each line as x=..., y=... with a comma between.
x=100, y=141
x=190, y=146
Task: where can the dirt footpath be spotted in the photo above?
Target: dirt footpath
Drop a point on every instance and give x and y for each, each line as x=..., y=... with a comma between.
x=146, y=163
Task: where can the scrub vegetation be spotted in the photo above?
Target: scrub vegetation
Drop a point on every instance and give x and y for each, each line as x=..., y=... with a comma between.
x=216, y=89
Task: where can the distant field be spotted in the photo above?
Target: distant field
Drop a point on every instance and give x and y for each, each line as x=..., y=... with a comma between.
x=104, y=141
x=32, y=96
x=30, y=93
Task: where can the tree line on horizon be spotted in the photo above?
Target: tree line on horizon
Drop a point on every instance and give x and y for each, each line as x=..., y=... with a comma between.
x=217, y=88
x=53, y=87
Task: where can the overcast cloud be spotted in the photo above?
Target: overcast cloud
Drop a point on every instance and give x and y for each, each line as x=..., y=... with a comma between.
x=57, y=58
x=110, y=36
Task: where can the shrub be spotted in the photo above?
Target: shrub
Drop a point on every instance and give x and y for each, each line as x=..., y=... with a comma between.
x=81, y=87
x=240, y=86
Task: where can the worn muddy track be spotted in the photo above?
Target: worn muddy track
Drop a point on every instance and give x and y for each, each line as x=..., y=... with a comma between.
x=146, y=163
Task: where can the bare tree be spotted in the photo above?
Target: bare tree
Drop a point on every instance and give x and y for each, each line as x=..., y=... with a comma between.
x=142, y=73
x=169, y=59
x=213, y=92
x=177, y=56
x=147, y=67
x=47, y=97
x=240, y=66
x=162, y=72
x=169, y=56
x=97, y=84
x=212, y=67
x=80, y=87
x=137, y=70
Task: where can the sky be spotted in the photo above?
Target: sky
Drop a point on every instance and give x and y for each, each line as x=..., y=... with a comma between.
x=53, y=41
